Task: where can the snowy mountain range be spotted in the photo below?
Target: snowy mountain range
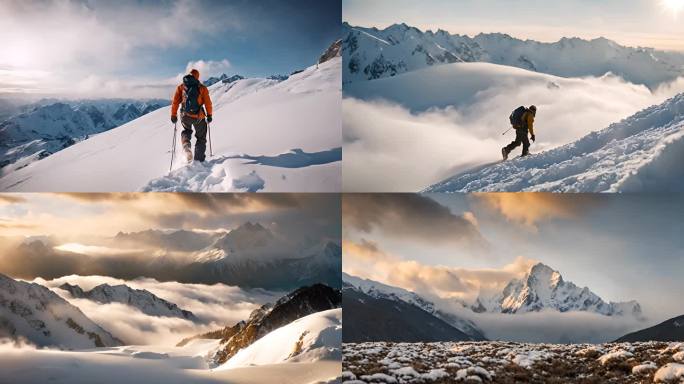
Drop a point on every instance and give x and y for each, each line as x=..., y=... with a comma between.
x=371, y=53
x=33, y=312
x=302, y=302
x=380, y=291
x=143, y=300
x=387, y=318
x=638, y=154
x=267, y=135
x=409, y=317
x=180, y=240
x=51, y=126
x=253, y=256
x=543, y=288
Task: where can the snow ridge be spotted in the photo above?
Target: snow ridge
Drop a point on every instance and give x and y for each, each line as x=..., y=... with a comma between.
x=382, y=291
x=639, y=154
x=33, y=312
x=142, y=299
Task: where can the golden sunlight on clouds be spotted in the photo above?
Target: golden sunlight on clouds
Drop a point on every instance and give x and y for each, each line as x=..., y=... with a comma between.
x=529, y=209
x=104, y=214
x=366, y=260
x=94, y=250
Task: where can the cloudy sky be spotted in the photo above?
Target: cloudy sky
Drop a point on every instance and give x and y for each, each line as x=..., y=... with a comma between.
x=650, y=23
x=52, y=235
x=457, y=245
x=82, y=48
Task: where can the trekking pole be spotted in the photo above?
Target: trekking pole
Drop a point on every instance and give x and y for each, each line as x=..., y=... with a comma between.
x=173, y=146
x=211, y=152
x=507, y=131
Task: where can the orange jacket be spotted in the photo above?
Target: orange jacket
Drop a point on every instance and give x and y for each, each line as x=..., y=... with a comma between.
x=202, y=99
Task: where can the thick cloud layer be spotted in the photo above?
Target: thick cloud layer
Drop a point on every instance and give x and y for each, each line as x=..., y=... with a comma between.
x=556, y=327
x=216, y=306
x=389, y=148
x=409, y=216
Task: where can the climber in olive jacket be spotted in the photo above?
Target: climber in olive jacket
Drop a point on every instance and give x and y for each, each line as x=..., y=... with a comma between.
x=521, y=130
x=193, y=98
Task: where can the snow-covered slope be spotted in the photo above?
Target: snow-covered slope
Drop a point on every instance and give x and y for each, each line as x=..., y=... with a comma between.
x=267, y=135
x=141, y=299
x=311, y=338
x=295, y=305
x=543, y=288
x=52, y=126
x=370, y=53
x=379, y=290
x=639, y=154
x=33, y=312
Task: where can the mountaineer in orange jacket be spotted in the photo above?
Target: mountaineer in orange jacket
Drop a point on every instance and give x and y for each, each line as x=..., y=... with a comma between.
x=522, y=119
x=193, y=98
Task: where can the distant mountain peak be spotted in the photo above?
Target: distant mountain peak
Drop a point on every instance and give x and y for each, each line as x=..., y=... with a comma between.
x=543, y=288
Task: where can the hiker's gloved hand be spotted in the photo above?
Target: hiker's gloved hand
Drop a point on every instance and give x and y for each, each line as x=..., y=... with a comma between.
x=174, y=119
x=209, y=119
x=532, y=138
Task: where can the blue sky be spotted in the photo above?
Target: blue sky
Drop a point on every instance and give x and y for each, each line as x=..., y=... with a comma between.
x=653, y=23
x=106, y=47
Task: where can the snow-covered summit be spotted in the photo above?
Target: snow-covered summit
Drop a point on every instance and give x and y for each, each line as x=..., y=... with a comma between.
x=33, y=312
x=371, y=53
x=638, y=154
x=142, y=299
x=543, y=288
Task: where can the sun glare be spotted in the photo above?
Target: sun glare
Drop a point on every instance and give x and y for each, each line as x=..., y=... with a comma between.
x=674, y=6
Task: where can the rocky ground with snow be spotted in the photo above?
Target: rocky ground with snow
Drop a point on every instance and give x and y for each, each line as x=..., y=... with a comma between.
x=508, y=362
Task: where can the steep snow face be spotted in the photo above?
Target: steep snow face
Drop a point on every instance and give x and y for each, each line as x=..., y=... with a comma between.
x=36, y=313
x=311, y=338
x=543, y=288
x=370, y=54
x=141, y=299
x=48, y=128
x=639, y=154
x=382, y=291
x=267, y=135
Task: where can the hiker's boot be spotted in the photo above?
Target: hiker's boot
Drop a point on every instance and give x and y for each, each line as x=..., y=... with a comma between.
x=504, y=153
x=188, y=153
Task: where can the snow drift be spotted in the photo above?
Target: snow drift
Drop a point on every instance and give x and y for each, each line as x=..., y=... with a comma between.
x=268, y=135
x=639, y=154
x=311, y=338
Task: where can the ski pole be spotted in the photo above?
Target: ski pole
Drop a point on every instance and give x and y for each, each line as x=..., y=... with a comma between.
x=211, y=152
x=173, y=146
x=507, y=131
